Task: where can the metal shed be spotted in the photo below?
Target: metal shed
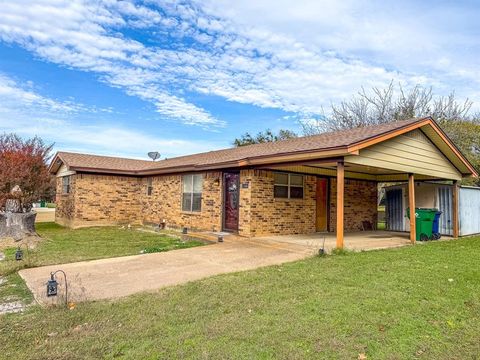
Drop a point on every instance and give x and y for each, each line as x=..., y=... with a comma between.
x=439, y=196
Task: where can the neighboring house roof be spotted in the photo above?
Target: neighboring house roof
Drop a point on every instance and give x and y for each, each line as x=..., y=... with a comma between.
x=326, y=145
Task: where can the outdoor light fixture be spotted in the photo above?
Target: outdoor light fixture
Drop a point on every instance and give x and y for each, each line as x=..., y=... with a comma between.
x=52, y=285
x=220, y=238
x=217, y=181
x=19, y=254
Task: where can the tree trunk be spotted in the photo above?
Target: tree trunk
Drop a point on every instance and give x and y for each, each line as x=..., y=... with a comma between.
x=17, y=225
x=13, y=205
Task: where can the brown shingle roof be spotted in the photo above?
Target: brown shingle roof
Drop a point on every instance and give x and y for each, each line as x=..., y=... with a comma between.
x=338, y=140
x=87, y=161
x=325, y=141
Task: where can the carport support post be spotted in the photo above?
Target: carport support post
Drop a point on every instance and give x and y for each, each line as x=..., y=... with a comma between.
x=340, y=202
x=455, y=209
x=411, y=205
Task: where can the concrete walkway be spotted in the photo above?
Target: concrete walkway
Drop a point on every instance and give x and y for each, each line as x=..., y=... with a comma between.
x=122, y=276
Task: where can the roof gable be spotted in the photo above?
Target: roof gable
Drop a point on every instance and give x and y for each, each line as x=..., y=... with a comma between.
x=409, y=152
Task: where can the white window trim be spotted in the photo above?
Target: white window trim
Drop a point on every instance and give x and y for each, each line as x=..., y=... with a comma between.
x=69, y=185
x=149, y=186
x=288, y=185
x=191, y=194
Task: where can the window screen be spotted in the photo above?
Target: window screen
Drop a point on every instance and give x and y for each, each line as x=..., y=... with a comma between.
x=66, y=185
x=192, y=192
x=288, y=186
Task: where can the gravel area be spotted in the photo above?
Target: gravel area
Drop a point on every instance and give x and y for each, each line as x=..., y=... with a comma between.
x=12, y=307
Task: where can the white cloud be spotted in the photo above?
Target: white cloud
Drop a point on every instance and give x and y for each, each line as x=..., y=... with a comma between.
x=11, y=93
x=295, y=56
x=105, y=139
x=76, y=34
x=28, y=113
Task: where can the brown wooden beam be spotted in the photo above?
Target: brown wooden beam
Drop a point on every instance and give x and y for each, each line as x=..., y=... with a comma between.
x=411, y=205
x=331, y=161
x=455, y=192
x=340, y=202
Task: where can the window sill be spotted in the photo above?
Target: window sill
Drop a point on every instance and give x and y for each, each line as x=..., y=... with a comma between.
x=191, y=212
x=288, y=199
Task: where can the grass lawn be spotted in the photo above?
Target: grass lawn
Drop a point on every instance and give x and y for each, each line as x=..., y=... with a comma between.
x=413, y=302
x=62, y=245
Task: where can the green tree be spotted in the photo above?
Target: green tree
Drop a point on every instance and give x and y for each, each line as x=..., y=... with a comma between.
x=263, y=137
x=466, y=135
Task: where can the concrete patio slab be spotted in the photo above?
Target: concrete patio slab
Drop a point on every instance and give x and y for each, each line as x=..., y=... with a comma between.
x=356, y=241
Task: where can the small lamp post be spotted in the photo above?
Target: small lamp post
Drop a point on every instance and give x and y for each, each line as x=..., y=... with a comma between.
x=52, y=285
x=220, y=238
x=19, y=254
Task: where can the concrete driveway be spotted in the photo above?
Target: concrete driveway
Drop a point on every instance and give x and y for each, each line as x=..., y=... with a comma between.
x=122, y=276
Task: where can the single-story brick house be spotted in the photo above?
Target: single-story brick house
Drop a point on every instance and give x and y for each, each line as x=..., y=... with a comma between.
x=326, y=182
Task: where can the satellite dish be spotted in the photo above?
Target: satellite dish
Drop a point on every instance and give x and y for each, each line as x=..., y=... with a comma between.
x=154, y=155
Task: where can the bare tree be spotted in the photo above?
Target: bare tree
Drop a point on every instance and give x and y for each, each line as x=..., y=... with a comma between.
x=263, y=137
x=391, y=104
x=385, y=105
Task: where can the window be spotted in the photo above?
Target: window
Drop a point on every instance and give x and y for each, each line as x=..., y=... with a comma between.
x=288, y=186
x=66, y=185
x=192, y=192
x=149, y=186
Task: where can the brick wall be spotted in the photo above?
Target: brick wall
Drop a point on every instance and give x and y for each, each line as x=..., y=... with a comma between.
x=64, y=213
x=165, y=203
x=360, y=204
x=106, y=200
x=262, y=214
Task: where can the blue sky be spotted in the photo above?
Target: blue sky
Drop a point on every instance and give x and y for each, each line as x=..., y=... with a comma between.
x=127, y=77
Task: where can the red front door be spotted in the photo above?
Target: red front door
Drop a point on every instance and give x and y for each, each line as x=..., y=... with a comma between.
x=231, y=201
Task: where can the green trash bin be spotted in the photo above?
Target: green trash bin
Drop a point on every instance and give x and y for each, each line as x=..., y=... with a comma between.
x=43, y=203
x=423, y=223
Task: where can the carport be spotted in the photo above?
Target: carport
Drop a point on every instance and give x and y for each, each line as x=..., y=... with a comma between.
x=405, y=152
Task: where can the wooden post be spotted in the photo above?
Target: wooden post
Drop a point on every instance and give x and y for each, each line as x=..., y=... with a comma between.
x=411, y=205
x=340, y=202
x=455, y=191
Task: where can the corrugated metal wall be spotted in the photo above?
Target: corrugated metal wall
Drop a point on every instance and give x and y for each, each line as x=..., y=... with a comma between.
x=469, y=211
x=444, y=194
x=394, y=209
x=469, y=208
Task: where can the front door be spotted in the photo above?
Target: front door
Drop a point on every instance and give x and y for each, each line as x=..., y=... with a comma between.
x=231, y=201
x=322, y=198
